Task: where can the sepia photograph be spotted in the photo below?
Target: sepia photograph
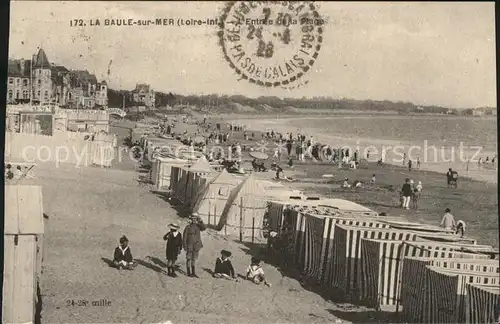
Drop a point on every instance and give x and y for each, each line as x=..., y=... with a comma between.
x=284, y=162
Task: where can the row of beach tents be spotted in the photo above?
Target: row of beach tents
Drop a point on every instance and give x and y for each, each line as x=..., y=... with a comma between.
x=425, y=273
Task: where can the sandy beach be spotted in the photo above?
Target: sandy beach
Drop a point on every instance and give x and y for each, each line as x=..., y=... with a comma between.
x=431, y=160
x=90, y=208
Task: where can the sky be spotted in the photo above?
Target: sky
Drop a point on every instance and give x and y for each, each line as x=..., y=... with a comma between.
x=426, y=53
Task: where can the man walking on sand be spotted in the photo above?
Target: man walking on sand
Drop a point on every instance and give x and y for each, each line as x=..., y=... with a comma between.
x=407, y=193
x=192, y=242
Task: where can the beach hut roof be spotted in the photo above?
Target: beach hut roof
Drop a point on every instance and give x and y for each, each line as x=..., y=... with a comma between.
x=23, y=210
x=343, y=204
x=224, y=177
x=250, y=187
x=201, y=165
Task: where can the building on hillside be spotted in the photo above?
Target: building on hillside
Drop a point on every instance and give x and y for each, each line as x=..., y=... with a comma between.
x=143, y=95
x=41, y=82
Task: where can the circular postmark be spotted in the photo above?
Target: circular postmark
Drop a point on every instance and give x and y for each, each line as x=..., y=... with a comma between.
x=271, y=43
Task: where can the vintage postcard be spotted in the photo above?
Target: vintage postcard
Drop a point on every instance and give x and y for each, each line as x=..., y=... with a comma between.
x=251, y=162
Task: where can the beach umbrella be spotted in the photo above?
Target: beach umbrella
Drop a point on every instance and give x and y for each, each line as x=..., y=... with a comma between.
x=259, y=155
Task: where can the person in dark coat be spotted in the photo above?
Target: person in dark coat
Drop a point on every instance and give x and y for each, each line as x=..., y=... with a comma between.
x=122, y=258
x=174, y=247
x=192, y=242
x=224, y=267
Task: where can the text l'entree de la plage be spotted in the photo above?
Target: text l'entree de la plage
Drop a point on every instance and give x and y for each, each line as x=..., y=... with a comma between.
x=179, y=22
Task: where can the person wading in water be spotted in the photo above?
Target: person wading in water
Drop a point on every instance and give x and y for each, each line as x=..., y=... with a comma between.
x=192, y=242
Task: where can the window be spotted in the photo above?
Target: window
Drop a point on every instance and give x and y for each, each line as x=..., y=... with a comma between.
x=11, y=81
x=18, y=95
x=26, y=94
x=38, y=94
x=39, y=82
x=46, y=94
x=18, y=81
x=103, y=88
x=224, y=191
x=25, y=82
x=10, y=94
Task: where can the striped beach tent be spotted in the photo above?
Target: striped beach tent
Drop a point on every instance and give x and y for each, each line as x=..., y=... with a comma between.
x=198, y=182
x=180, y=185
x=347, y=263
x=275, y=214
x=313, y=241
x=327, y=251
x=439, y=285
x=318, y=241
x=174, y=178
x=381, y=264
x=440, y=296
x=347, y=249
x=482, y=304
x=413, y=272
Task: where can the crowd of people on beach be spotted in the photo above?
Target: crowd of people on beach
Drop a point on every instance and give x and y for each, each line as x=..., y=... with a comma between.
x=190, y=241
x=305, y=147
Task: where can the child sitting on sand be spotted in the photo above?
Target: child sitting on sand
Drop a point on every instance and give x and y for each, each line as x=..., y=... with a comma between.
x=255, y=272
x=224, y=267
x=123, y=256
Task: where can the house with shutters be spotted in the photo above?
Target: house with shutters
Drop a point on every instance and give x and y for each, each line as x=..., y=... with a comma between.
x=39, y=81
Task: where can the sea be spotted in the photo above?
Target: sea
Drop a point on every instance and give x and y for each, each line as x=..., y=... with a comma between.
x=439, y=142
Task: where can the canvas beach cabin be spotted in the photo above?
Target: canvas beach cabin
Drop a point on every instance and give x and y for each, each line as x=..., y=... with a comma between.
x=23, y=253
x=213, y=198
x=244, y=211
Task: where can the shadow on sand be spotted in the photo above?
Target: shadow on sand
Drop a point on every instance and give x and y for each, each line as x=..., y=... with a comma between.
x=181, y=209
x=368, y=316
x=109, y=262
x=288, y=268
x=157, y=261
x=150, y=266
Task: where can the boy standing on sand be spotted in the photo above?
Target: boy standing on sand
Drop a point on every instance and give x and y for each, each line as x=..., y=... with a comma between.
x=174, y=247
x=192, y=242
x=407, y=192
